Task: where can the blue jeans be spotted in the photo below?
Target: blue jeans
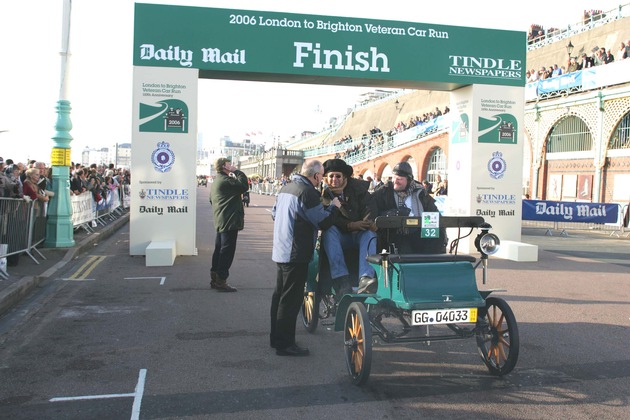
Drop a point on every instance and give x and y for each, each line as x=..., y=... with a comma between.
x=335, y=242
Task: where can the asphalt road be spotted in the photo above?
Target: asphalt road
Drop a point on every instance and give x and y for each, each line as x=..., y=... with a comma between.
x=111, y=338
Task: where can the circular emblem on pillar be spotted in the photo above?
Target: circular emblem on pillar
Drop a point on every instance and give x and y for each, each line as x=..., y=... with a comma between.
x=497, y=165
x=163, y=157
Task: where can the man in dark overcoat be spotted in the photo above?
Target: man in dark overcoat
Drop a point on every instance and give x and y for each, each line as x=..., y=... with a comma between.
x=229, y=217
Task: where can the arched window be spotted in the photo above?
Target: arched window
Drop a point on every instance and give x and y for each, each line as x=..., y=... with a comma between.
x=620, y=138
x=437, y=166
x=570, y=134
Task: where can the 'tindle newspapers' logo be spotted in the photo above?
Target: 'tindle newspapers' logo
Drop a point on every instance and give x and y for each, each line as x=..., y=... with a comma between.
x=485, y=67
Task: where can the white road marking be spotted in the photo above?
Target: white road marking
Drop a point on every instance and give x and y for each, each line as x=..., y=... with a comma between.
x=162, y=279
x=137, y=400
x=79, y=280
x=137, y=396
x=92, y=397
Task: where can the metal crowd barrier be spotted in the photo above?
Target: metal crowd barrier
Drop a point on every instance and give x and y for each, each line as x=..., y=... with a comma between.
x=266, y=188
x=22, y=228
x=87, y=214
x=23, y=223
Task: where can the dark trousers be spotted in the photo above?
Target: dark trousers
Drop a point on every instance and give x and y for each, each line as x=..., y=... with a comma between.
x=224, y=250
x=286, y=302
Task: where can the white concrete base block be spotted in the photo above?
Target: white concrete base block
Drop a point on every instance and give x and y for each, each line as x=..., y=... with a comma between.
x=517, y=251
x=160, y=253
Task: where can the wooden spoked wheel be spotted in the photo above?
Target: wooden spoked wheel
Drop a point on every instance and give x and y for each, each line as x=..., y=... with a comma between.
x=310, y=311
x=498, y=339
x=358, y=343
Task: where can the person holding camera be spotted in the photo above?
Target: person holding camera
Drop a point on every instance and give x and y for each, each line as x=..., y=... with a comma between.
x=229, y=217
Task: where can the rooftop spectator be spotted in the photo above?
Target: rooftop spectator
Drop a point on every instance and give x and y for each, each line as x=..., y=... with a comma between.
x=587, y=62
x=542, y=73
x=597, y=57
x=621, y=52
x=557, y=71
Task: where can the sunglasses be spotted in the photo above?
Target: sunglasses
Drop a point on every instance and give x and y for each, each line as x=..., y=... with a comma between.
x=335, y=176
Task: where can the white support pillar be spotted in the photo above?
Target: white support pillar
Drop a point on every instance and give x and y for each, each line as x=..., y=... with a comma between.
x=485, y=162
x=164, y=186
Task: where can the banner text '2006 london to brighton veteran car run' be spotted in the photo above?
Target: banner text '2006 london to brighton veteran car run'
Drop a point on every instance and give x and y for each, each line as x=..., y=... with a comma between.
x=322, y=58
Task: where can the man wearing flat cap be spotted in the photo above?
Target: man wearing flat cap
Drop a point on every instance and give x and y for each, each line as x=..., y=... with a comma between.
x=403, y=196
x=353, y=229
x=229, y=218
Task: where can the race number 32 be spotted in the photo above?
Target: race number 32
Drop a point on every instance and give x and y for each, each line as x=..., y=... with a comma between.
x=429, y=233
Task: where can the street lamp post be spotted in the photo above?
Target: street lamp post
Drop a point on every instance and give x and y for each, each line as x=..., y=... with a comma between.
x=59, y=229
x=569, y=48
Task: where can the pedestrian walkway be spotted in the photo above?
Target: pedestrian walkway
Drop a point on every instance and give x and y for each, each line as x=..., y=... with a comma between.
x=28, y=274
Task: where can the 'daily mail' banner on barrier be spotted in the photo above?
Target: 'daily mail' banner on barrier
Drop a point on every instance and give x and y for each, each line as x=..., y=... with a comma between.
x=568, y=211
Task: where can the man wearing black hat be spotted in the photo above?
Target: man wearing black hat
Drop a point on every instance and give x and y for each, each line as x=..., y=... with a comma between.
x=403, y=196
x=354, y=227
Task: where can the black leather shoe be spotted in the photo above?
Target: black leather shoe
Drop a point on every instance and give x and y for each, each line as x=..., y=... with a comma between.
x=367, y=285
x=293, y=350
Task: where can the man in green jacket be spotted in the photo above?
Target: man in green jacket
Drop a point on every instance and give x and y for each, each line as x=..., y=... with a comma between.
x=229, y=218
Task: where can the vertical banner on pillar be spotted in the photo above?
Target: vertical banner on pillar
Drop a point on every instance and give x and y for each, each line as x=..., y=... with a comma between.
x=460, y=153
x=498, y=158
x=163, y=162
x=488, y=159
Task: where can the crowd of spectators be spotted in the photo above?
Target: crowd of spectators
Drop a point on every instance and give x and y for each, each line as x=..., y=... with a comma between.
x=33, y=181
x=537, y=33
x=99, y=180
x=376, y=137
x=418, y=120
x=30, y=181
x=599, y=56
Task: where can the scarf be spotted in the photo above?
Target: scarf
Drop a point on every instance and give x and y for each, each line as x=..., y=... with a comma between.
x=401, y=197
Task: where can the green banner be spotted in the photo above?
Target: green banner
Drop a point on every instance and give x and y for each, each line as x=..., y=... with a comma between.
x=274, y=46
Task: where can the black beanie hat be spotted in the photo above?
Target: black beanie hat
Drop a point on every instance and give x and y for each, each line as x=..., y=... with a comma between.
x=404, y=169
